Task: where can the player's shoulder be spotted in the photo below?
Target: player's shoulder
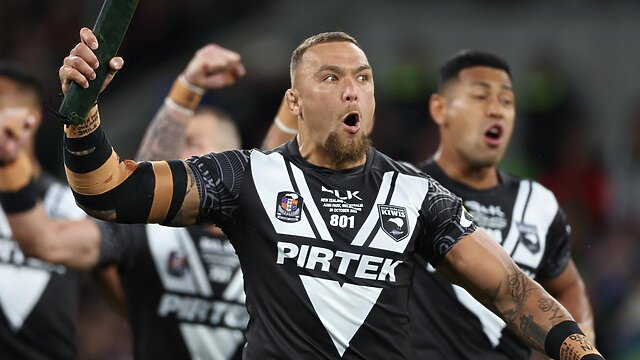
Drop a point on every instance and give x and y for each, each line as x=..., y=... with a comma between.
x=385, y=163
x=536, y=188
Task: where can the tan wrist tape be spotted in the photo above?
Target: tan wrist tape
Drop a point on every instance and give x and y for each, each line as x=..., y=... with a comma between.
x=87, y=127
x=576, y=346
x=184, y=94
x=16, y=174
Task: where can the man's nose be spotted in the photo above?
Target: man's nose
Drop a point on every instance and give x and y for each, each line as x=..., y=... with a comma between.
x=350, y=94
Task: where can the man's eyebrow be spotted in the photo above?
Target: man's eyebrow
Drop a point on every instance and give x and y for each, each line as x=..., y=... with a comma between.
x=488, y=86
x=340, y=70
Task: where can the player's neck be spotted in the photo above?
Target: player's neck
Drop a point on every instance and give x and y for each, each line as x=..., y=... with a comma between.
x=461, y=171
x=316, y=155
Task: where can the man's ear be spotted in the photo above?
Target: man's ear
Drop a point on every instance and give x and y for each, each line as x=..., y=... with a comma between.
x=438, y=108
x=293, y=101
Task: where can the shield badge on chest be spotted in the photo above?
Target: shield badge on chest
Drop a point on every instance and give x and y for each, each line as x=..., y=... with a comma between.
x=394, y=221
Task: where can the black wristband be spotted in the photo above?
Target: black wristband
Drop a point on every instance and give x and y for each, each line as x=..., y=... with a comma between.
x=21, y=200
x=592, y=357
x=557, y=335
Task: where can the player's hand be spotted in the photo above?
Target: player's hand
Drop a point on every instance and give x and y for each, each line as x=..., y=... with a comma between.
x=214, y=67
x=16, y=126
x=81, y=63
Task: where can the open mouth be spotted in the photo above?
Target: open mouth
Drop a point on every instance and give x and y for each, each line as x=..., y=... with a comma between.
x=351, y=122
x=493, y=135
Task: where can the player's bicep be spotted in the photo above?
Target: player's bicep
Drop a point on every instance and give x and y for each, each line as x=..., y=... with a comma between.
x=479, y=264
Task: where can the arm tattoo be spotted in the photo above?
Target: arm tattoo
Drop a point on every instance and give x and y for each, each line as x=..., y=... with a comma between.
x=164, y=139
x=528, y=310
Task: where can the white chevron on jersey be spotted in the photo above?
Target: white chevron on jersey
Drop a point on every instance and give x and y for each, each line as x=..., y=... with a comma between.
x=373, y=217
x=20, y=290
x=540, y=212
x=207, y=343
x=409, y=193
x=342, y=309
x=273, y=179
x=310, y=203
x=164, y=240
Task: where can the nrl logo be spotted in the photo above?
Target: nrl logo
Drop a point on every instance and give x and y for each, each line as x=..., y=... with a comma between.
x=289, y=206
x=393, y=221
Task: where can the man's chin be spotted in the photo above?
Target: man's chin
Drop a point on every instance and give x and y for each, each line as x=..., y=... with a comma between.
x=345, y=148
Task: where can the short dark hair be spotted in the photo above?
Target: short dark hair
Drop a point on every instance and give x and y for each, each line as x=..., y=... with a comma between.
x=469, y=58
x=326, y=37
x=23, y=77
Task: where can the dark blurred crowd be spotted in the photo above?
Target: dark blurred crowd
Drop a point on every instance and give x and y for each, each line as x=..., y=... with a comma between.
x=552, y=142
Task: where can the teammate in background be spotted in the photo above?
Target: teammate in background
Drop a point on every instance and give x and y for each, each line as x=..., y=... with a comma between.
x=183, y=287
x=328, y=264
x=475, y=111
x=38, y=300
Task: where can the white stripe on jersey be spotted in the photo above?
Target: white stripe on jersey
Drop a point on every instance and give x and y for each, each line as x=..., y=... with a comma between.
x=518, y=208
x=342, y=309
x=274, y=179
x=409, y=192
x=374, y=216
x=163, y=241
x=310, y=203
x=207, y=343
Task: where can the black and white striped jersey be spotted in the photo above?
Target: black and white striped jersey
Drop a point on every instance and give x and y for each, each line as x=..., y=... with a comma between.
x=524, y=217
x=327, y=255
x=38, y=300
x=183, y=288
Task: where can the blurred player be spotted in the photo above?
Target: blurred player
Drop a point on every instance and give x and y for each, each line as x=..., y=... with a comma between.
x=474, y=109
x=38, y=300
x=183, y=287
x=325, y=277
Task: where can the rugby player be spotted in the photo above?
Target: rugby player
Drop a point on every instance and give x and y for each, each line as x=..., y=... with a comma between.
x=325, y=226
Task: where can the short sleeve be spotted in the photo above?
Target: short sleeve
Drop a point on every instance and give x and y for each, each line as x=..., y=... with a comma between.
x=558, y=249
x=445, y=222
x=219, y=178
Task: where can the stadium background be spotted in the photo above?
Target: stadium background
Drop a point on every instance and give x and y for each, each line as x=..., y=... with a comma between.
x=576, y=67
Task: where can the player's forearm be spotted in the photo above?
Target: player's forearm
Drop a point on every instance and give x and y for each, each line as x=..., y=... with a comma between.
x=69, y=243
x=165, y=136
x=125, y=191
x=533, y=315
x=283, y=128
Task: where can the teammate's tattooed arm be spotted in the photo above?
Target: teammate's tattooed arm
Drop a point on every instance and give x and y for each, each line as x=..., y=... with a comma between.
x=165, y=136
x=480, y=265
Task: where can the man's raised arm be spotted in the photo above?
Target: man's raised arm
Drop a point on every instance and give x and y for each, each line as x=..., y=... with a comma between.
x=124, y=191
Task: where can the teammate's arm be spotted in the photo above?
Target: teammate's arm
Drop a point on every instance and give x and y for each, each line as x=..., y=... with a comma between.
x=483, y=268
x=569, y=289
x=69, y=242
x=165, y=136
x=283, y=128
x=165, y=192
